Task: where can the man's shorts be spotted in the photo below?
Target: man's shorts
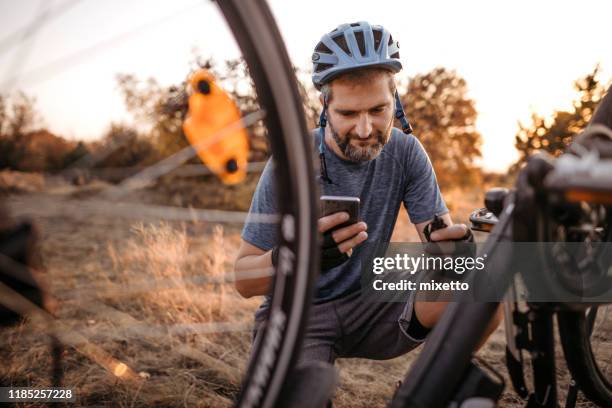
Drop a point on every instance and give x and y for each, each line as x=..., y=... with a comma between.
x=351, y=327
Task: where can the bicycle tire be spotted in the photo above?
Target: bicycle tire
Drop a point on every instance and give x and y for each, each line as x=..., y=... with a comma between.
x=574, y=329
x=575, y=333
x=575, y=339
x=255, y=30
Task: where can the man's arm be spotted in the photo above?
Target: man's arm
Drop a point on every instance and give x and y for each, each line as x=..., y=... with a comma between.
x=251, y=258
x=428, y=313
x=452, y=231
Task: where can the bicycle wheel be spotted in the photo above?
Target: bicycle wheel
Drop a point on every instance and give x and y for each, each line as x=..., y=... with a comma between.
x=585, y=337
x=584, y=333
x=257, y=34
x=277, y=96
x=585, y=342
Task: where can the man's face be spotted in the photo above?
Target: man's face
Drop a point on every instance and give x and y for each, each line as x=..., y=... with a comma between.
x=361, y=117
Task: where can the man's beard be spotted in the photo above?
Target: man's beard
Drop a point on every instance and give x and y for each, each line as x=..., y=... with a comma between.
x=358, y=153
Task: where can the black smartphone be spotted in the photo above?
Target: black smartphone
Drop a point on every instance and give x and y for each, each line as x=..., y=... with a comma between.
x=334, y=204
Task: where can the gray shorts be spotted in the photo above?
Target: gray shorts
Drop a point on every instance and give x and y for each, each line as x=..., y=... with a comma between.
x=350, y=327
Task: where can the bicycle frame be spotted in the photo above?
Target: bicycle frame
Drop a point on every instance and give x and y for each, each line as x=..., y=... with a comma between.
x=440, y=369
x=537, y=321
x=442, y=366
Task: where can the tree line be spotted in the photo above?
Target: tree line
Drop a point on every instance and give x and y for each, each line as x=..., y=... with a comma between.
x=437, y=103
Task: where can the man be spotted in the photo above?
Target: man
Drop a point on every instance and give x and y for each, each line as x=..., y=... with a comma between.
x=362, y=155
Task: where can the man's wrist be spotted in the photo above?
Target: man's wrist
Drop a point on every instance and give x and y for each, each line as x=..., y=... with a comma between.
x=468, y=237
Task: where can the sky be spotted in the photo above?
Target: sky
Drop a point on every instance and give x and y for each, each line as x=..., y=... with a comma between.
x=517, y=57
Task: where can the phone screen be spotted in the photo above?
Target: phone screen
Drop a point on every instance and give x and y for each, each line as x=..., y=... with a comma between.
x=334, y=204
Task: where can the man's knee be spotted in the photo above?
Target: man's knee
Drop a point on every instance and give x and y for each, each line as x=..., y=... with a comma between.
x=498, y=317
x=428, y=313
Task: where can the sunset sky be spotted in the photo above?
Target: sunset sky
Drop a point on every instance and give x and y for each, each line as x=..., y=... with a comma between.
x=516, y=57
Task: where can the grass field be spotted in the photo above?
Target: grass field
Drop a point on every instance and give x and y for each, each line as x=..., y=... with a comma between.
x=148, y=331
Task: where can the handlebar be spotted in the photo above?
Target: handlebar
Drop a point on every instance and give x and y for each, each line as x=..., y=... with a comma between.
x=585, y=174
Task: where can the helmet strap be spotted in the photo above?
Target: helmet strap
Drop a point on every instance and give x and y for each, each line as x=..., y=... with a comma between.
x=401, y=115
x=322, y=125
x=323, y=116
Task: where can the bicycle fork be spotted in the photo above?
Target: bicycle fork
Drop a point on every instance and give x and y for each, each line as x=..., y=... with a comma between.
x=531, y=331
x=543, y=359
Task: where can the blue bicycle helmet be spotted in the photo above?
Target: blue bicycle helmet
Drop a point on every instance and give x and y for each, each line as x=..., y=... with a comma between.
x=353, y=46
x=349, y=47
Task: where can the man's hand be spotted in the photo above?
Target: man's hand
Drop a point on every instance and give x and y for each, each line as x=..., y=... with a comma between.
x=338, y=244
x=441, y=228
x=456, y=231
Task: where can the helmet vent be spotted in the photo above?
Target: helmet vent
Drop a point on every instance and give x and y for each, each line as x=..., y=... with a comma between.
x=322, y=67
x=355, y=46
x=323, y=48
x=360, y=41
x=377, y=39
x=339, y=39
x=395, y=54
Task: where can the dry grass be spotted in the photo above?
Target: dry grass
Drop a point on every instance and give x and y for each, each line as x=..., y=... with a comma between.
x=107, y=275
x=19, y=182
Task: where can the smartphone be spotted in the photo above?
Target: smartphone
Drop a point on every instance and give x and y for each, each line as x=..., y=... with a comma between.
x=334, y=204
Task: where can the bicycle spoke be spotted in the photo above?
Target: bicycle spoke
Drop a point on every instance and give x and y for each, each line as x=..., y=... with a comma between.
x=35, y=25
x=165, y=290
x=85, y=293
x=125, y=327
x=185, y=170
x=14, y=301
x=70, y=61
x=89, y=207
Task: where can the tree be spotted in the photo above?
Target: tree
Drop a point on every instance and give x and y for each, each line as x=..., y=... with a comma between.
x=78, y=156
x=18, y=117
x=162, y=109
x=41, y=150
x=128, y=148
x=24, y=144
x=554, y=134
x=310, y=97
x=444, y=120
x=145, y=101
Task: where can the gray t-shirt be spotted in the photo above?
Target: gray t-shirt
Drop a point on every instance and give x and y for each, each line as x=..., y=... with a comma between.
x=401, y=173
